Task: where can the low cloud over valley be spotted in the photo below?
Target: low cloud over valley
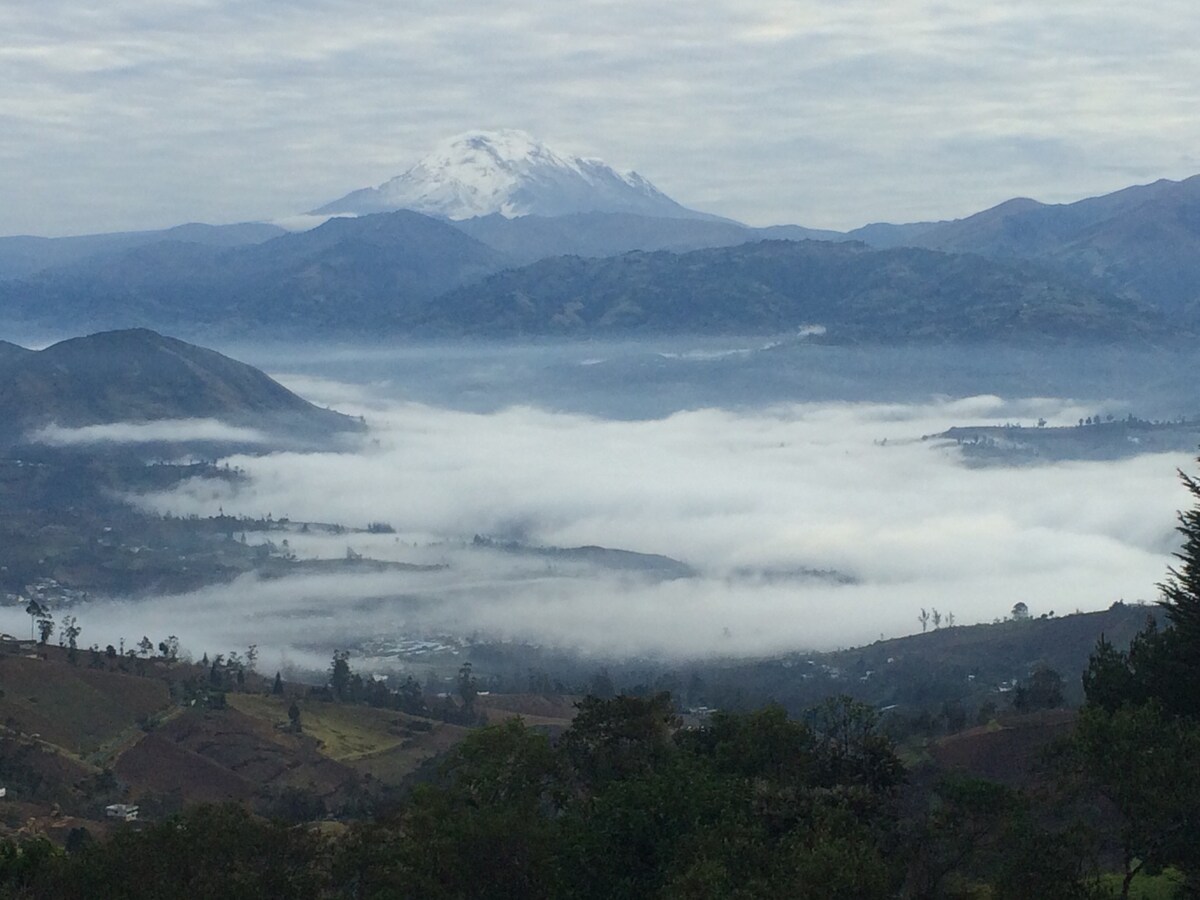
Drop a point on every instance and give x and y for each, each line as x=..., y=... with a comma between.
x=807, y=525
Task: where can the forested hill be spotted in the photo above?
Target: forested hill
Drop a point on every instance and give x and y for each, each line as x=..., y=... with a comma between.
x=138, y=375
x=855, y=293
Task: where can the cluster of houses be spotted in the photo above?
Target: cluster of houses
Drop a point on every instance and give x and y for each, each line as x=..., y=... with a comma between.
x=46, y=592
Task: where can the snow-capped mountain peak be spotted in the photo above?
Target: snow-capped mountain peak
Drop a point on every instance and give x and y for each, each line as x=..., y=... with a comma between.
x=511, y=173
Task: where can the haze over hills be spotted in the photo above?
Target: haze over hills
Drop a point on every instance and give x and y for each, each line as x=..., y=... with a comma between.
x=348, y=274
x=10, y=351
x=596, y=234
x=486, y=202
x=853, y=292
x=406, y=274
x=510, y=173
x=1143, y=241
x=139, y=376
x=23, y=256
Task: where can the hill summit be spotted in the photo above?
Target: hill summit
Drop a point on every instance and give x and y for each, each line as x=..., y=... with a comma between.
x=137, y=375
x=509, y=172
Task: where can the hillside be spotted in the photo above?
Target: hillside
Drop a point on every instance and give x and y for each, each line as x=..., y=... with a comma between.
x=854, y=292
x=357, y=274
x=963, y=668
x=141, y=376
x=10, y=352
x=149, y=731
x=1143, y=241
x=164, y=732
x=527, y=239
x=1115, y=439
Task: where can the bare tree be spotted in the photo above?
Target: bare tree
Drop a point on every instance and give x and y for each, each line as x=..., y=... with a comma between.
x=34, y=610
x=45, y=625
x=70, y=630
x=923, y=618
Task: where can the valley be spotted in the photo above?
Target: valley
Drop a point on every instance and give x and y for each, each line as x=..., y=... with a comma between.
x=567, y=508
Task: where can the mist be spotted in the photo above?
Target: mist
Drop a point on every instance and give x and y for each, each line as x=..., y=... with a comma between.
x=804, y=524
x=170, y=430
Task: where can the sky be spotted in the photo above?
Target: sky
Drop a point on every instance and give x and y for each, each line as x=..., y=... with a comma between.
x=137, y=114
x=749, y=498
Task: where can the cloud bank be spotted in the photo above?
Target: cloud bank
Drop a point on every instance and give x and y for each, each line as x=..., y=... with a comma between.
x=753, y=501
x=161, y=430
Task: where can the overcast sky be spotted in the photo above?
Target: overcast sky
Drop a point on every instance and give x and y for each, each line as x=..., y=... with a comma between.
x=147, y=113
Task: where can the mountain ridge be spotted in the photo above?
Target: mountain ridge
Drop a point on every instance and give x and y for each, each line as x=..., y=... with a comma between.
x=1142, y=240
x=854, y=292
x=25, y=255
x=319, y=279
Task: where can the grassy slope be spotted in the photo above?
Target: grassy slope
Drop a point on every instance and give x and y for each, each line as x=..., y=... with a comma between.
x=82, y=711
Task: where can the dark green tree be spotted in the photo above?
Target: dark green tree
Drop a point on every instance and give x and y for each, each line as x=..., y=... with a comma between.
x=339, y=674
x=483, y=829
x=1181, y=588
x=410, y=698
x=468, y=689
x=1043, y=690
x=1138, y=737
x=1143, y=761
x=611, y=739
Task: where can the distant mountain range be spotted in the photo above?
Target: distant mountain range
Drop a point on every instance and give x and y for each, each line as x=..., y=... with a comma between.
x=510, y=236
x=139, y=376
x=403, y=273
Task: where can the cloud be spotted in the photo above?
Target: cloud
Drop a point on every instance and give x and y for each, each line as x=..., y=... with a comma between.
x=168, y=430
x=303, y=222
x=754, y=500
x=141, y=113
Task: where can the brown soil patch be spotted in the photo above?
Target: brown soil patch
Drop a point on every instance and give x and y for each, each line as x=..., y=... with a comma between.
x=1011, y=754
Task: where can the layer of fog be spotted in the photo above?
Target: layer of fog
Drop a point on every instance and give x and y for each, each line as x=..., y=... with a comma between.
x=652, y=378
x=754, y=500
x=791, y=477
x=170, y=430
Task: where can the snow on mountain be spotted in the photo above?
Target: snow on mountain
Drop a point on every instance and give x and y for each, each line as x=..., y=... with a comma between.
x=510, y=173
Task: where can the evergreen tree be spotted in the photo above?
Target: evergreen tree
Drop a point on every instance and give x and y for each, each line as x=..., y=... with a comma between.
x=1181, y=589
x=1139, y=735
x=339, y=674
